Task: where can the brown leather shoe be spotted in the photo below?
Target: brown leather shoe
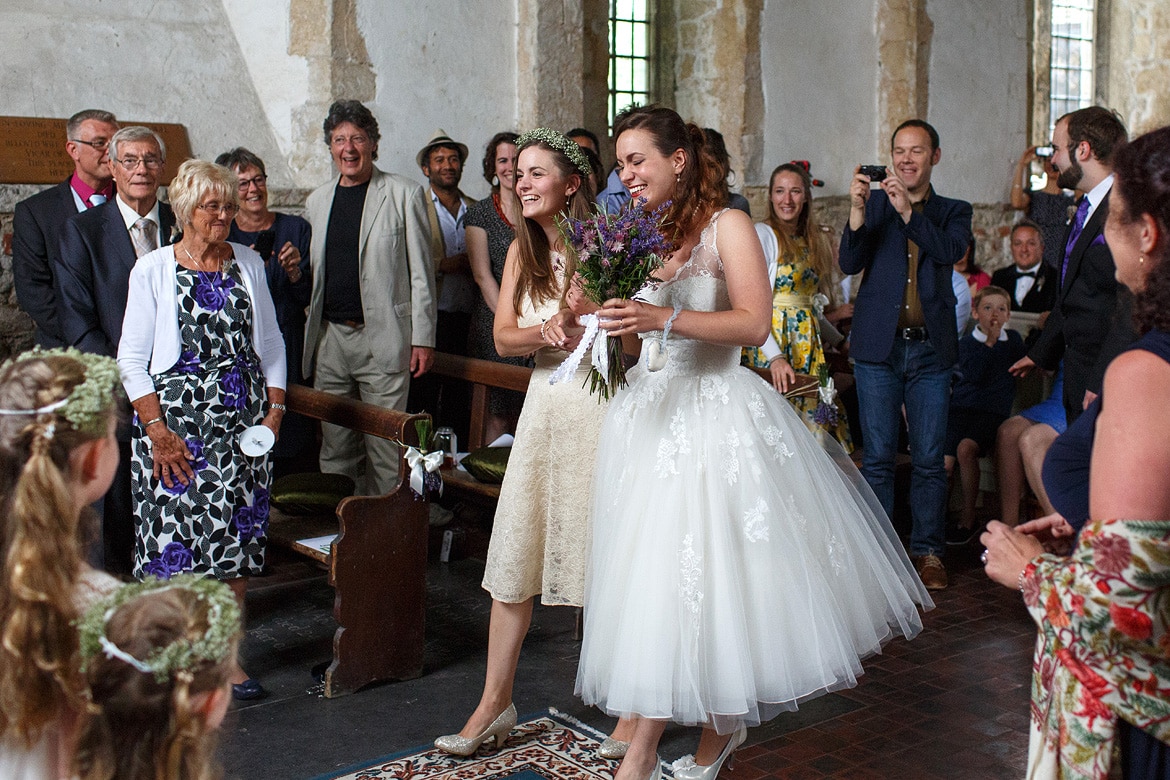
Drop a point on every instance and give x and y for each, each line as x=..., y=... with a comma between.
x=931, y=571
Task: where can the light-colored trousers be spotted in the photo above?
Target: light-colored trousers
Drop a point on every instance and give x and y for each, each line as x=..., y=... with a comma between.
x=346, y=367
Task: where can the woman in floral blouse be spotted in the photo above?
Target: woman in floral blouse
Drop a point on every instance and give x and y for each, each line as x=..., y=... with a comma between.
x=202, y=359
x=1101, y=674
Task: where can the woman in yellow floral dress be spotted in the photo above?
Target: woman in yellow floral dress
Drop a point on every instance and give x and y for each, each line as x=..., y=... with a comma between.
x=800, y=263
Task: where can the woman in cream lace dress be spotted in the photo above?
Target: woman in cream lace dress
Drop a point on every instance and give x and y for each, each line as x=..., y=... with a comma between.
x=541, y=530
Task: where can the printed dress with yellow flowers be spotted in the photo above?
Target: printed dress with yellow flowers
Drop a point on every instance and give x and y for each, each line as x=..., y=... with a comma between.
x=795, y=333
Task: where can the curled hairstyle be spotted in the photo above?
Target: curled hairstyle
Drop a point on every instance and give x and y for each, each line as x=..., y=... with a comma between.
x=40, y=546
x=1142, y=171
x=239, y=159
x=138, y=727
x=196, y=180
x=820, y=253
x=489, y=155
x=536, y=276
x=1101, y=128
x=356, y=114
x=701, y=189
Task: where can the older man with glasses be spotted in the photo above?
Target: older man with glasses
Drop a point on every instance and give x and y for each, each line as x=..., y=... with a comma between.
x=38, y=221
x=98, y=249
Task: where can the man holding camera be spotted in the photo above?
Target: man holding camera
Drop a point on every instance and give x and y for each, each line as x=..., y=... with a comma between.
x=904, y=340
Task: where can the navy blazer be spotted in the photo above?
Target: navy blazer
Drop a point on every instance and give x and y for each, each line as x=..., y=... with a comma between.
x=93, y=275
x=36, y=239
x=1090, y=322
x=942, y=232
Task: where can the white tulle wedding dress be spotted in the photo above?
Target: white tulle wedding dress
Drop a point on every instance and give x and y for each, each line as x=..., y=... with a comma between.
x=738, y=565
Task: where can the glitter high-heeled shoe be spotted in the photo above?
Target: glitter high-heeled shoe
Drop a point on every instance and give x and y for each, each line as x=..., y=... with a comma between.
x=613, y=749
x=686, y=768
x=497, y=732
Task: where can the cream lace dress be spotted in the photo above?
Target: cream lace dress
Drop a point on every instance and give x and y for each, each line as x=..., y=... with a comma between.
x=739, y=566
x=541, y=529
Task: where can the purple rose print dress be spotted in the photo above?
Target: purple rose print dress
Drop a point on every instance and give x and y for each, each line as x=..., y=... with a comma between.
x=216, y=524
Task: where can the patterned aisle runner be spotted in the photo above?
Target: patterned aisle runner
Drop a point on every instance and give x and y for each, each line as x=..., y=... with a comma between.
x=543, y=747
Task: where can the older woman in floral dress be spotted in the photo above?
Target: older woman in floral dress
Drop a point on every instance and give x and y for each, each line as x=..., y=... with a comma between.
x=202, y=359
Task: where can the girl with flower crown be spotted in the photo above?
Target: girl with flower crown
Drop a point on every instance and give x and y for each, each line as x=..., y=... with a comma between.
x=158, y=656
x=540, y=533
x=58, y=455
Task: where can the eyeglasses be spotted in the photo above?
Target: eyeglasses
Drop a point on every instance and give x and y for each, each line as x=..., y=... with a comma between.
x=258, y=181
x=131, y=163
x=100, y=146
x=214, y=209
x=357, y=140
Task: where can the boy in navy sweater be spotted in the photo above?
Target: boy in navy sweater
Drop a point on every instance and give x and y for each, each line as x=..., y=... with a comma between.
x=982, y=396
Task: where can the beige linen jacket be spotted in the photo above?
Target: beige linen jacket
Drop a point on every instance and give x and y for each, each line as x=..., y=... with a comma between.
x=397, y=270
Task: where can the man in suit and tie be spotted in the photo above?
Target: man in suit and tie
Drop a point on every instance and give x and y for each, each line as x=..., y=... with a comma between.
x=37, y=222
x=98, y=249
x=1031, y=284
x=371, y=322
x=904, y=341
x=1090, y=321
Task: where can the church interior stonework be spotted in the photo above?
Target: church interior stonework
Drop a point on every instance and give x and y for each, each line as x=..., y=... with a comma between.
x=822, y=81
x=825, y=81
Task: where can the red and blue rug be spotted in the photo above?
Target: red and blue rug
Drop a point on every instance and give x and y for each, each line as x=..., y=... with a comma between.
x=544, y=746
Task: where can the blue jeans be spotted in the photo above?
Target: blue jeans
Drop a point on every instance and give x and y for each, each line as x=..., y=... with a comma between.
x=912, y=375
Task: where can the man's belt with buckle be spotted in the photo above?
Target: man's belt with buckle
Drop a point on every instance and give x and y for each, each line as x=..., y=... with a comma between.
x=912, y=334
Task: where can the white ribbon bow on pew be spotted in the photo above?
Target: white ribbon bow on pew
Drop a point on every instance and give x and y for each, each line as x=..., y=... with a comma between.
x=420, y=464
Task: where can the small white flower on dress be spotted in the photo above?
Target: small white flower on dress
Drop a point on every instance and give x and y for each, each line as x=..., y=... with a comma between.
x=729, y=457
x=774, y=438
x=691, y=571
x=835, y=555
x=665, y=466
x=713, y=387
x=789, y=510
x=678, y=427
x=755, y=527
x=756, y=406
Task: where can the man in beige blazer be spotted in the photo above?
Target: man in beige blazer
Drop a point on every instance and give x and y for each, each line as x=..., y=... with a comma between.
x=371, y=321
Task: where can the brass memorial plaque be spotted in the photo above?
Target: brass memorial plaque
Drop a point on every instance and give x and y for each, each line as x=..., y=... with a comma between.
x=32, y=150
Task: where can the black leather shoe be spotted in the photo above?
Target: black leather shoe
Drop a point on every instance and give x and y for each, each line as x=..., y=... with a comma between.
x=248, y=690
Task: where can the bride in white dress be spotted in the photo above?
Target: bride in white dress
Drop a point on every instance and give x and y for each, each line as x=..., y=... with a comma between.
x=739, y=566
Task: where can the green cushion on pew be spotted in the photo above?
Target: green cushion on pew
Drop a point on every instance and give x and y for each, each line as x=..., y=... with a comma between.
x=310, y=494
x=487, y=464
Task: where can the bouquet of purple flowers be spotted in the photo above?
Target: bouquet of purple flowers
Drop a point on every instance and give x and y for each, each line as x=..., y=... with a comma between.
x=616, y=255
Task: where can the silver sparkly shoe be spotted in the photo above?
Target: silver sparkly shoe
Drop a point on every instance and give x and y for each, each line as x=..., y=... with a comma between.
x=613, y=749
x=497, y=732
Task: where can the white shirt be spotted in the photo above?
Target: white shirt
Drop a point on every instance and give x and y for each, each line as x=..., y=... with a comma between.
x=130, y=216
x=457, y=293
x=1024, y=284
x=978, y=334
x=1097, y=194
x=963, y=300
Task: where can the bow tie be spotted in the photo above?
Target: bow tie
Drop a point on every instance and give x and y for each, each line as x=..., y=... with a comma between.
x=1031, y=274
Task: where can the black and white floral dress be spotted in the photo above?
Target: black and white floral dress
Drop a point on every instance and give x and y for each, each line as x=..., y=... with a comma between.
x=215, y=525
